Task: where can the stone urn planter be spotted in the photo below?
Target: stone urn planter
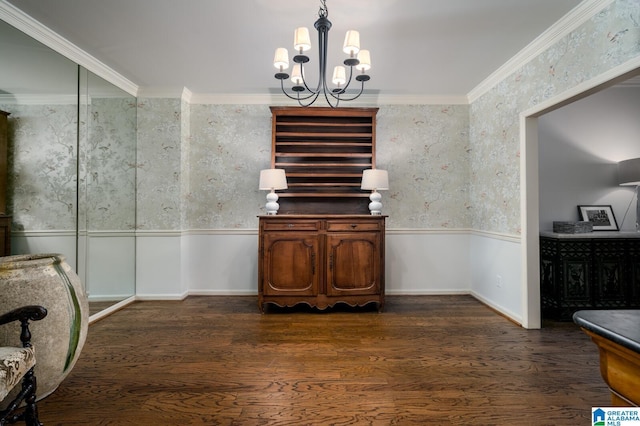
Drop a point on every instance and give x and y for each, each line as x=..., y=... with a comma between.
x=47, y=280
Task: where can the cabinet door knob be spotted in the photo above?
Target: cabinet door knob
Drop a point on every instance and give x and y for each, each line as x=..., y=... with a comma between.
x=290, y=225
x=354, y=226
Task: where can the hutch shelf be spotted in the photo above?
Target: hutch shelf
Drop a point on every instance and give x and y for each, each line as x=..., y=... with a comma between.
x=323, y=152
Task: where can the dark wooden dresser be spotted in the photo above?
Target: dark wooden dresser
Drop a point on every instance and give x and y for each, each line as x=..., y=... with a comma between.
x=597, y=270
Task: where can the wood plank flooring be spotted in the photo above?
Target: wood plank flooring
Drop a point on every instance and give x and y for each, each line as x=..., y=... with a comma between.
x=439, y=360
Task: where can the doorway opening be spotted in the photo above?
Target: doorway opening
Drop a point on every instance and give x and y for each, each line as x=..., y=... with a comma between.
x=529, y=181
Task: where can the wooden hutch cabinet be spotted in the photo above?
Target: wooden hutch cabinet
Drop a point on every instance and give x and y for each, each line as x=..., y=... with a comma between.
x=323, y=247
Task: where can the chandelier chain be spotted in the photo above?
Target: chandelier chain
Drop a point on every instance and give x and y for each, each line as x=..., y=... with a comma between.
x=323, y=12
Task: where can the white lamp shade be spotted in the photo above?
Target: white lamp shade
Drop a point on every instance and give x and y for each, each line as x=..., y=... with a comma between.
x=375, y=179
x=301, y=40
x=351, y=42
x=273, y=179
x=365, y=60
x=339, y=76
x=281, y=58
x=629, y=172
x=296, y=75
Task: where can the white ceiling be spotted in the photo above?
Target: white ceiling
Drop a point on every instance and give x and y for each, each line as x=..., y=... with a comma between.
x=418, y=47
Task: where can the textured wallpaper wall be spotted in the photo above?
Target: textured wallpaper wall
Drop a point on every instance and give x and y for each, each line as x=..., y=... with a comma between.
x=43, y=175
x=230, y=144
x=159, y=164
x=42, y=166
x=110, y=165
x=609, y=39
x=425, y=149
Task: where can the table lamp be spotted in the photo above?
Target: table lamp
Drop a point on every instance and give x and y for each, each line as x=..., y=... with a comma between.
x=374, y=180
x=270, y=180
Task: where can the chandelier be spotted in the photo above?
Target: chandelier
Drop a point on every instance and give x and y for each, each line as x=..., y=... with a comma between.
x=305, y=95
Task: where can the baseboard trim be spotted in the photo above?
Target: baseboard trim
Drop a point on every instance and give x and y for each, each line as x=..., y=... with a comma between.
x=498, y=309
x=111, y=309
x=152, y=297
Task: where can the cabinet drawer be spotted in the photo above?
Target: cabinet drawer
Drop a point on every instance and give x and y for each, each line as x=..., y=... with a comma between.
x=353, y=226
x=291, y=225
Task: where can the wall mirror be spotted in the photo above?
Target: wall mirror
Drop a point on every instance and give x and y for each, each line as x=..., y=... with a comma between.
x=72, y=156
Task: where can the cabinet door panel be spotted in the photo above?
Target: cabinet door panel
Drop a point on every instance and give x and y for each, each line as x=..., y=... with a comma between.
x=353, y=263
x=290, y=264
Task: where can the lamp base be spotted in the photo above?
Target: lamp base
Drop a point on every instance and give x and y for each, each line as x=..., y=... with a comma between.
x=272, y=205
x=375, y=206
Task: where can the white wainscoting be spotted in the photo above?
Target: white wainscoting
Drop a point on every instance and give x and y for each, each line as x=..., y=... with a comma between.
x=110, y=266
x=62, y=242
x=106, y=250
x=422, y=261
x=417, y=262
x=221, y=262
x=174, y=264
x=158, y=265
x=496, y=273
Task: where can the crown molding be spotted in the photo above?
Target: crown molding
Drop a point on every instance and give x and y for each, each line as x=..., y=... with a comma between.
x=18, y=99
x=572, y=20
x=53, y=99
x=23, y=22
x=164, y=92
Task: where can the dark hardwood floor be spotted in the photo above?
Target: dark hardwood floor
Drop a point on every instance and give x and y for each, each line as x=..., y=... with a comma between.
x=435, y=360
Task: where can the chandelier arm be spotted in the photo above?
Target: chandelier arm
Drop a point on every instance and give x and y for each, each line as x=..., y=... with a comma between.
x=285, y=92
x=295, y=98
x=304, y=82
x=326, y=97
x=335, y=95
x=346, y=86
x=343, y=90
x=356, y=96
x=314, y=95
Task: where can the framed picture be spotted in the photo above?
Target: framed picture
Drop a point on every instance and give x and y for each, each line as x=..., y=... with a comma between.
x=601, y=217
